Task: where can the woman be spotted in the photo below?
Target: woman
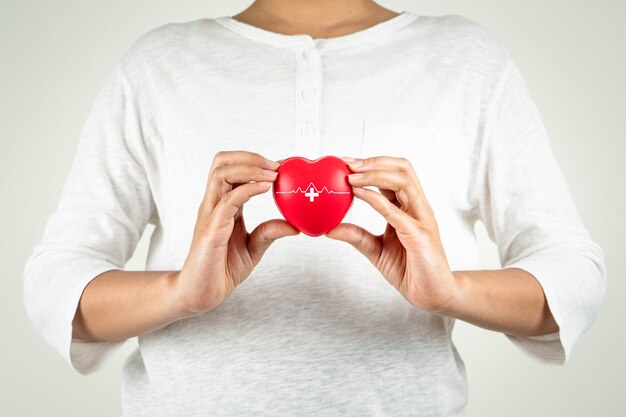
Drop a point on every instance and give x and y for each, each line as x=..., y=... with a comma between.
x=429, y=112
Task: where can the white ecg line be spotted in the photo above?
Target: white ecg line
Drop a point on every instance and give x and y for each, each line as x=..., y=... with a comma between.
x=313, y=191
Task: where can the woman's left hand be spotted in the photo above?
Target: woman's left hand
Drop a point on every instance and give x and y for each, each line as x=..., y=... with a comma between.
x=409, y=253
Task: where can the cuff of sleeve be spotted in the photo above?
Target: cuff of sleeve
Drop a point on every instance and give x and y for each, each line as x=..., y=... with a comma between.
x=548, y=348
x=88, y=357
x=574, y=288
x=52, y=292
x=85, y=357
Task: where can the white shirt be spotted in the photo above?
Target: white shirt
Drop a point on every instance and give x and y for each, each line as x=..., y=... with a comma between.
x=315, y=329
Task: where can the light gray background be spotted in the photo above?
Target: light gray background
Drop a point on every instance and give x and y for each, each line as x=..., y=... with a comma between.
x=54, y=57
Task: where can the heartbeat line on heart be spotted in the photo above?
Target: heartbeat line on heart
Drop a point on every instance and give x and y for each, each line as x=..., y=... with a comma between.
x=312, y=191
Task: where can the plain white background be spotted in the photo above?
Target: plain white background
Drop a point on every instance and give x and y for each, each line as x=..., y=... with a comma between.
x=55, y=55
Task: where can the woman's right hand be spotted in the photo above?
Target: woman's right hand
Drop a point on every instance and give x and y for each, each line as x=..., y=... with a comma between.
x=222, y=252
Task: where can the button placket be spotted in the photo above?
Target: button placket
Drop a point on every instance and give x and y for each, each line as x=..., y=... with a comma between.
x=308, y=92
x=307, y=99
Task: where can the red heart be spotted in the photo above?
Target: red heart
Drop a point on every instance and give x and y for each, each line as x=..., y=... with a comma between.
x=313, y=196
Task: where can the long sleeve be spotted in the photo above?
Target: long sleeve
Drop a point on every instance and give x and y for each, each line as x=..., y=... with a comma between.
x=523, y=199
x=104, y=208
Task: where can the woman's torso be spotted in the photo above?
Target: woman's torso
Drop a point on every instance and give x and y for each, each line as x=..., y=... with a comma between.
x=315, y=329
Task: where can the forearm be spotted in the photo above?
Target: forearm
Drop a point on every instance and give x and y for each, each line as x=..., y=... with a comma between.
x=117, y=305
x=508, y=300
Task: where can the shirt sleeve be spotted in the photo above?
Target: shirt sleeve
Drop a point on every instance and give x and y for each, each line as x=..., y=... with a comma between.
x=523, y=199
x=103, y=210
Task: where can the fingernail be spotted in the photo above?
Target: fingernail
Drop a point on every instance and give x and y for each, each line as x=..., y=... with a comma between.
x=264, y=183
x=270, y=173
x=272, y=164
x=355, y=176
x=347, y=158
x=356, y=163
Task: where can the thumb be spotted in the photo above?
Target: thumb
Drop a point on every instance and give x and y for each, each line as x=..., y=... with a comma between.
x=364, y=241
x=265, y=234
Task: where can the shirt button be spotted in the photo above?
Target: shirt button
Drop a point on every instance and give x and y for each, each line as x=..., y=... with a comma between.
x=308, y=92
x=307, y=132
x=307, y=54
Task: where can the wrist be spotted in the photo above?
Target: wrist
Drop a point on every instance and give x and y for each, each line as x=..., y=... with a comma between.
x=457, y=306
x=175, y=308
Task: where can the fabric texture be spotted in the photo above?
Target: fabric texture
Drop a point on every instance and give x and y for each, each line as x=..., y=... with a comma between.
x=315, y=329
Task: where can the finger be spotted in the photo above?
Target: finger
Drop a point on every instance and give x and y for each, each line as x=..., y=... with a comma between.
x=222, y=217
x=364, y=241
x=265, y=234
x=399, y=183
x=227, y=177
x=391, y=196
x=385, y=162
x=396, y=217
x=222, y=158
x=378, y=162
x=236, y=157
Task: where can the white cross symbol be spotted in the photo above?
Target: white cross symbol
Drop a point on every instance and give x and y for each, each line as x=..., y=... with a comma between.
x=311, y=194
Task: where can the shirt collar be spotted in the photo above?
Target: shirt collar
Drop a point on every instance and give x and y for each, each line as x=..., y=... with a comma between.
x=355, y=38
